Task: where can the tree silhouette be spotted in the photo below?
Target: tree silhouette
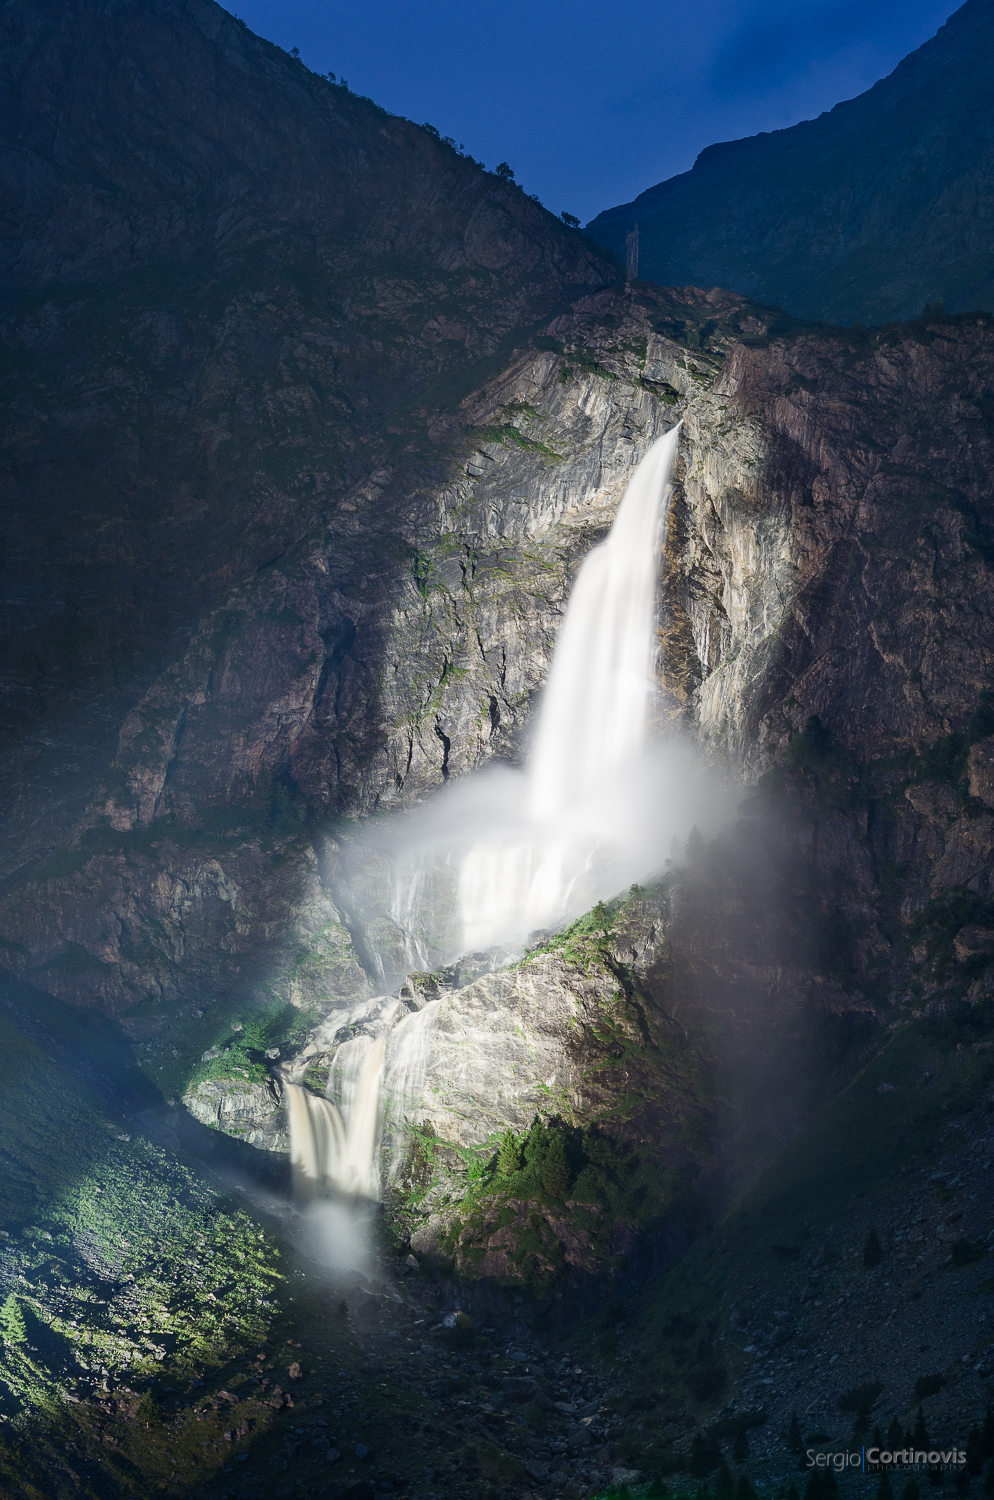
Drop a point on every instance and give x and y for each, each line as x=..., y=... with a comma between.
x=873, y=1251
x=555, y=1168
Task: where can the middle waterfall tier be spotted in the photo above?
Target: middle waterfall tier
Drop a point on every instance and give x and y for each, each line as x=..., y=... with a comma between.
x=332, y=1148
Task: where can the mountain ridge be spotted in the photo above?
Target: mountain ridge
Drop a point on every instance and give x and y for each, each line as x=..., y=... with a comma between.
x=860, y=215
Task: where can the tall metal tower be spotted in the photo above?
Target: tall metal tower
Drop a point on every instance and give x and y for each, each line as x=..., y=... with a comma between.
x=632, y=248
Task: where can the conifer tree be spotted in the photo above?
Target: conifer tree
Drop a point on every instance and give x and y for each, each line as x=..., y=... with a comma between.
x=146, y=1410
x=895, y=1435
x=509, y=1155
x=535, y=1145
x=919, y=1437
x=794, y=1437
x=744, y=1489
x=12, y=1326
x=974, y=1452
x=555, y=1168
x=696, y=847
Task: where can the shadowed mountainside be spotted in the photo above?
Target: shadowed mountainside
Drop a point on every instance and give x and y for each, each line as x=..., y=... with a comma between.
x=864, y=214
x=228, y=290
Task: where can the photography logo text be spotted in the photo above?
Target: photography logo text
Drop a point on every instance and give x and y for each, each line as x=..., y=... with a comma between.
x=878, y=1460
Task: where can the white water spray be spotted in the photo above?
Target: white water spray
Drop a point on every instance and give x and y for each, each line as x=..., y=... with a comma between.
x=574, y=836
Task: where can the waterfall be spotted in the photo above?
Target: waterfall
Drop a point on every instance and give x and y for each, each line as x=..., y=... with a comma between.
x=408, y=878
x=593, y=810
x=595, y=711
x=566, y=845
x=334, y=1148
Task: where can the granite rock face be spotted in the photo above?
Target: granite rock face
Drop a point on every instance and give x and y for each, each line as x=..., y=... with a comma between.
x=349, y=682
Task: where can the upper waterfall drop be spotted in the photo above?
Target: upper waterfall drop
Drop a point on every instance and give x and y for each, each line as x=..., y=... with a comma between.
x=594, y=715
x=573, y=835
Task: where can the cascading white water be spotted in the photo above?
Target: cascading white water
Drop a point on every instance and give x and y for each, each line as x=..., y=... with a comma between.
x=332, y=1148
x=592, y=733
x=531, y=848
x=595, y=709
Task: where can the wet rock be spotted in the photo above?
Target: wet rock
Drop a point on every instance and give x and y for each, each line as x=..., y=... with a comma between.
x=251, y=1112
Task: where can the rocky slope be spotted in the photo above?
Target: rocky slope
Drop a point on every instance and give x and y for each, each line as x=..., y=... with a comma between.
x=862, y=215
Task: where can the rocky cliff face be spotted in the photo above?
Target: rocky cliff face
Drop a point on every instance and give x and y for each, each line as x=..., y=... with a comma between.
x=357, y=601
x=813, y=507
x=861, y=215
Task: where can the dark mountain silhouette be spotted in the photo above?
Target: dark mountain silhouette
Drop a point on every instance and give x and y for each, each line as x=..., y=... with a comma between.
x=862, y=215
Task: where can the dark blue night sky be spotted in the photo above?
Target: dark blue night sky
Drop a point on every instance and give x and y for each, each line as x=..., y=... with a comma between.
x=591, y=103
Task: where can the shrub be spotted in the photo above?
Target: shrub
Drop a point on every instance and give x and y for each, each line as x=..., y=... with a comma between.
x=12, y=1326
x=462, y=1333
